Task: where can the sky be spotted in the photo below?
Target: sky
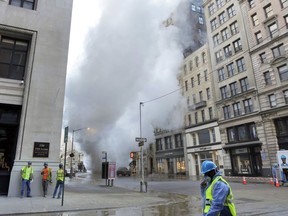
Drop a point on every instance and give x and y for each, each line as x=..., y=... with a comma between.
x=121, y=54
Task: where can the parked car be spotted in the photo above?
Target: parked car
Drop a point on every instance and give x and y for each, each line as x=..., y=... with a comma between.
x=123, y=171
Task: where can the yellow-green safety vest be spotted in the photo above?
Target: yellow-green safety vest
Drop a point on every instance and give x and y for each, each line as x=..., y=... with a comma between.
x=228, y=201
x=26, y=172
x=60, y=175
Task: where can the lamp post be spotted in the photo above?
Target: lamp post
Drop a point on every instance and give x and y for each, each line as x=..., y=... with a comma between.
x=141, y=150
x=72, y=154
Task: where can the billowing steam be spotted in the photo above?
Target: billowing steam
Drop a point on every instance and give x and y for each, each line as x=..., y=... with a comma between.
x=126, y=57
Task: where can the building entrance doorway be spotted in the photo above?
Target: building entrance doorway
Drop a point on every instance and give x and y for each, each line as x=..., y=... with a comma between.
x=9, y=125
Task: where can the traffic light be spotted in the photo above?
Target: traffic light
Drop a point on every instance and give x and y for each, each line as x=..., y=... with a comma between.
x=132, y=155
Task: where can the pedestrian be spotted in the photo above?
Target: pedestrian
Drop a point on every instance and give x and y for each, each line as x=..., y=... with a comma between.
x=46, y=178
x=27, y=177
x=216, y=192
x=59, y=181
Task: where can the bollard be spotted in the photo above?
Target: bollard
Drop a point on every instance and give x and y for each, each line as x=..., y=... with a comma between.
x=146, y=186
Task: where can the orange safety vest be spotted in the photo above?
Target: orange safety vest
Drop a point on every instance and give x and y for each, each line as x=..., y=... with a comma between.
x=46, y=174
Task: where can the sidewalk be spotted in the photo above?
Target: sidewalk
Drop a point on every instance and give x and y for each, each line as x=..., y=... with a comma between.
x=91, y=197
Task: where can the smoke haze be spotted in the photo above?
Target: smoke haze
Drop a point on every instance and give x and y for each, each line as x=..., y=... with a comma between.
x=121, y=54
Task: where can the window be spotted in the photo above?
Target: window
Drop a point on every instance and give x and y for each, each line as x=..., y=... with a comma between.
x=192, y=82
x=225, y=34
x=194, y=98
x=273, y=30
x=243, y=132
x=28, y=4
x=283, y=72
x=244, y=84
x=210, y=113
x=230, y=69
x=262, y=57
x=236, y=109
x=205, y=75
x=203, y=115
x=234, y=28
x=219, y=3
x=198, y=79
x=251, y=3
x=219, y=56
x=258, y=37
x=208, y=92
x=190, y=65
x=221, y=74
x=201, y=20
x=204, y=57
x=193, y=7
x=237, y=45
x=278, y=51
x=286, y=19
x=201, y=96
x=284, y=3
x=272, y=100
x=248, y=107
x=189, y=120
x=196, y=61
x=158, y=145
x=186, y=85
x=267, y=78
x=185, y=69
x=216, y=39
x=233, y=88
x=194, y=139
x=199, y=9
x=226, y=112
x=268, y=10
x=178, y=141
x=231, y=11
x=255, y=20
x=285, y=93
x=224, y=92
x=188, y=101
x=213, y=135
x=13, y=54
x=241, y=65
x=213, y=24
x=168, y=142
x=211, y=9
x=196, y=117
x=204, y=136
x=222, y=18
x=227, y=51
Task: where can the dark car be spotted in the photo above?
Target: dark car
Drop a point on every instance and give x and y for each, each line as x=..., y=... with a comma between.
x=123, y=171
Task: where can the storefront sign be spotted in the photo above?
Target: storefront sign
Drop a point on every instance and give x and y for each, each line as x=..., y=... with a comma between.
x=41, y=149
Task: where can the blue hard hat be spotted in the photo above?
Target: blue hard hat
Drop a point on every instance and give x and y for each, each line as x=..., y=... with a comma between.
x=283, y=157
x=207, y=166
x=60, y=165
x=29, y=162
x=275, y=165
x=45, y=164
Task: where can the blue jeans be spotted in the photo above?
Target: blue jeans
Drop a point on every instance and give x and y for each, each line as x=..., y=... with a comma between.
x=59, y=185
x=27, y=183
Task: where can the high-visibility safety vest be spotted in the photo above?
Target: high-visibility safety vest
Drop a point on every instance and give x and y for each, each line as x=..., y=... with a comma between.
x=228, y=201
x=60, y=175
x=26, y=172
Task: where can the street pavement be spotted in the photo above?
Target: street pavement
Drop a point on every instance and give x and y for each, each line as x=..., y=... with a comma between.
x=82, y=195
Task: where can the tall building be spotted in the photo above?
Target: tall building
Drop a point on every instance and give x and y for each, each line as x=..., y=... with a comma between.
x=267, y=23
x=34, y=39
x=235, y=88
x=202, y=133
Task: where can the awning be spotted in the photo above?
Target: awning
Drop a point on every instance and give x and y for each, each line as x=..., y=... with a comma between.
x=245, y=144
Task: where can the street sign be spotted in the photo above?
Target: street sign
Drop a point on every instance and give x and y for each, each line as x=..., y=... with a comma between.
x=141, y=144
x=138, y=139
x=66, y=135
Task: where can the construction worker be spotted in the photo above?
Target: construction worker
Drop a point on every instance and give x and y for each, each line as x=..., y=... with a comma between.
x=216, y=192
x=27, y=177
x=59, y=181
x=46, y=178
x=275, y=167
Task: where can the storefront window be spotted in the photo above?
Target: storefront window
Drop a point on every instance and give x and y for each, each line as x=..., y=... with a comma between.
x=160, y=167
x=180, y=166
x=245, y=132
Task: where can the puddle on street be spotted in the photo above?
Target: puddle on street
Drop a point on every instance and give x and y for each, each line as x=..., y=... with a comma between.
x=184, y=208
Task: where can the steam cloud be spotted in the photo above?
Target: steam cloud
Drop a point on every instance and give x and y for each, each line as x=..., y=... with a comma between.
x=126, y=56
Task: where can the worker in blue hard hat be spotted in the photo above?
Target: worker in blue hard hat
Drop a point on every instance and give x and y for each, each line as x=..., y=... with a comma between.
x=275, y=167
x=284, y=167
x=216, y=192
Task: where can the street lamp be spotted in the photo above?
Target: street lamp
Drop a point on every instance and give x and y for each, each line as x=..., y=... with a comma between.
x=141, y=151
x=72, y=146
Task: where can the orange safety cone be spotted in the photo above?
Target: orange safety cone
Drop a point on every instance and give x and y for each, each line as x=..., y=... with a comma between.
x=277, y=183
x=244, y=180
x=271, y=181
